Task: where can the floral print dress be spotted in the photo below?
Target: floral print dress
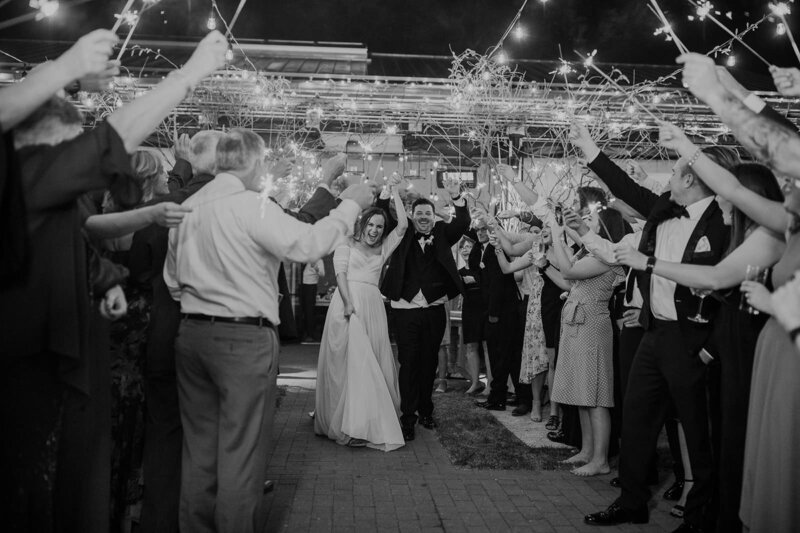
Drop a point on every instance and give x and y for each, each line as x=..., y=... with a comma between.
x=534, y=357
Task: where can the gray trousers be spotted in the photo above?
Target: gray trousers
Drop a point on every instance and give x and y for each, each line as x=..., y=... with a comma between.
x=226, y=388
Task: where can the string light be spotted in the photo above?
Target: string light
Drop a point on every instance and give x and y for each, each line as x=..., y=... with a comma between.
x=46, y=8
x=780, y=29
x=211, y=23
x=502, y=57
x=519, y=32
x=731, y=62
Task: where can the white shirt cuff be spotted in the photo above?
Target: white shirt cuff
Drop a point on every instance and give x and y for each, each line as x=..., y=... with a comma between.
x=754, y=103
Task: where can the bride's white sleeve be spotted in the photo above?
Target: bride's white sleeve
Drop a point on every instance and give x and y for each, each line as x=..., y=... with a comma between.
x=341, y=260
x=389, y=244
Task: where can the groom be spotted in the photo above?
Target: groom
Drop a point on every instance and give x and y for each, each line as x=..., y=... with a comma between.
x=421, y=277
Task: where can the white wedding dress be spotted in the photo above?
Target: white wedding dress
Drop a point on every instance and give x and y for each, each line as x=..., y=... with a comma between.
x=357, y=391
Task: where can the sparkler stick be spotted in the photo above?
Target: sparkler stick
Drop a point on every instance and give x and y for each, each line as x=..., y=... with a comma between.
x=713, y=19
x=234, y=19
x=608, y=78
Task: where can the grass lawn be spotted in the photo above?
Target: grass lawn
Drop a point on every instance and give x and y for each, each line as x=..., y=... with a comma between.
x=474, y=438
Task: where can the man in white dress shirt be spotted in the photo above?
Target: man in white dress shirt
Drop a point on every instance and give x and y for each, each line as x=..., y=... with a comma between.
x=222, y=265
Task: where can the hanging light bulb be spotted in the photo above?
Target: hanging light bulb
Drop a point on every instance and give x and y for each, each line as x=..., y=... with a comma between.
x=211, y=23
x=501, y=57
x=731, y=62
x=780, y=29
x=519, y=32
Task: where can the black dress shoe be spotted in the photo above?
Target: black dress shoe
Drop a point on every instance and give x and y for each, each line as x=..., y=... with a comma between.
x=556, y=436
x=491, y=406
x=675, y=492
x=520, y=410
x=408, y=433
x=428, y=422
x=617, y=515
x=269, y=486
x=513, y=401
x=615, y=482
x=689, y=528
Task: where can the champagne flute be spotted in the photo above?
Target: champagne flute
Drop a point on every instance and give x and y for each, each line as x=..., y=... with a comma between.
x=701, y=294
x=759, y=275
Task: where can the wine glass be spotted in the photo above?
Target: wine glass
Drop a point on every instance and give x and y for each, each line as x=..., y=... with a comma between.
x=700, y=293
x=537, y=247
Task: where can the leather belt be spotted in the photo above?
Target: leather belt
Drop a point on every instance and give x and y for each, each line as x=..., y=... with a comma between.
x=250, y=321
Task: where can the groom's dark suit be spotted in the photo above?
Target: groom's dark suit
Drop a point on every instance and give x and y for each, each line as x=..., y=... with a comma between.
x=666, y=365
x=432, y=270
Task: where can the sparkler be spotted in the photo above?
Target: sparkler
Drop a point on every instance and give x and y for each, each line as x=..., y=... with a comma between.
x=608, y=78
x=781, y=9
x=667, y=28
x=705, y=10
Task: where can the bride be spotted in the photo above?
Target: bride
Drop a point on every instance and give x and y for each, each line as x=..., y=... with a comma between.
x=358, y=399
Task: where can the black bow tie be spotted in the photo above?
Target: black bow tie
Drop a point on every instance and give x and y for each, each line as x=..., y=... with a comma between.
x=673, y=211
x=419, y=235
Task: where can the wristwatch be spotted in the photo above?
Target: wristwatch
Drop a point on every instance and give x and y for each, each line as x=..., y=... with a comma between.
x=651, y=263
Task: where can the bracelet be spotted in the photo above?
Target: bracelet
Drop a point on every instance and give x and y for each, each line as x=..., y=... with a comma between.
x=694, y=158
x=793, y=334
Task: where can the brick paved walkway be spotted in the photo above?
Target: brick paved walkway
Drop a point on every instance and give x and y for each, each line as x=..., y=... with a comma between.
x=321, y=486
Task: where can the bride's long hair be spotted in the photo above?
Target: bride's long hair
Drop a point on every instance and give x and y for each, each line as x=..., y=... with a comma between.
x=363, y=220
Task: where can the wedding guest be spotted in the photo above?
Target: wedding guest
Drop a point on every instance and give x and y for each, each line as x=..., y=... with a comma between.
x=308, y=297
x=585, y=373
x=534, y=362
x=502, y=324
x=770, y=485
x=163, y=436
x=473, y=316
x=657, y=375
x=227, y=345
x=421, y=276
x=45, y=366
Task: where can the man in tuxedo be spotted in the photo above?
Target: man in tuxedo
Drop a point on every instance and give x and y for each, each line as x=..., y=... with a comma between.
x=684, y=224
x=422, y=275
x=502, y=325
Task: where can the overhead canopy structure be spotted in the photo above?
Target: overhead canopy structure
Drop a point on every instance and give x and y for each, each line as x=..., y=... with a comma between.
x=305, y=93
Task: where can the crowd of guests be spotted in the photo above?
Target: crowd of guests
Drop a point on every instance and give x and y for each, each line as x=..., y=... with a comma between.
x=633, y=308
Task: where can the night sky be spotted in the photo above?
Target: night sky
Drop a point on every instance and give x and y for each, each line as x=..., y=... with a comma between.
x=621, y=30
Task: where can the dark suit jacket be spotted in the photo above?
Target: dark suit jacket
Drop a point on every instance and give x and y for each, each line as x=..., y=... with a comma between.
x=318, y=206
x=653, y=207
x=445, y=236
x=498, y=290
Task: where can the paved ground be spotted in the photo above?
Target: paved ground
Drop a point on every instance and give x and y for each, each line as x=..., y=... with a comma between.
x=321, y=486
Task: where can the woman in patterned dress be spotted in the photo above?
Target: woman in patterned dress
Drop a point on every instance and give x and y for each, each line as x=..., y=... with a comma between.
x=585, y=371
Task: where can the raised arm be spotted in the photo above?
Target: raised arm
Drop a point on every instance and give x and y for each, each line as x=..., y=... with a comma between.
x=616, y=179
x=304, y=243
x=761, y=247
x=400, y=209
x=136, y=120
x=457, y=227
x=89, y=55
x=764, y=212
x=519, y=263
x=526, y=194
x=769, y=141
